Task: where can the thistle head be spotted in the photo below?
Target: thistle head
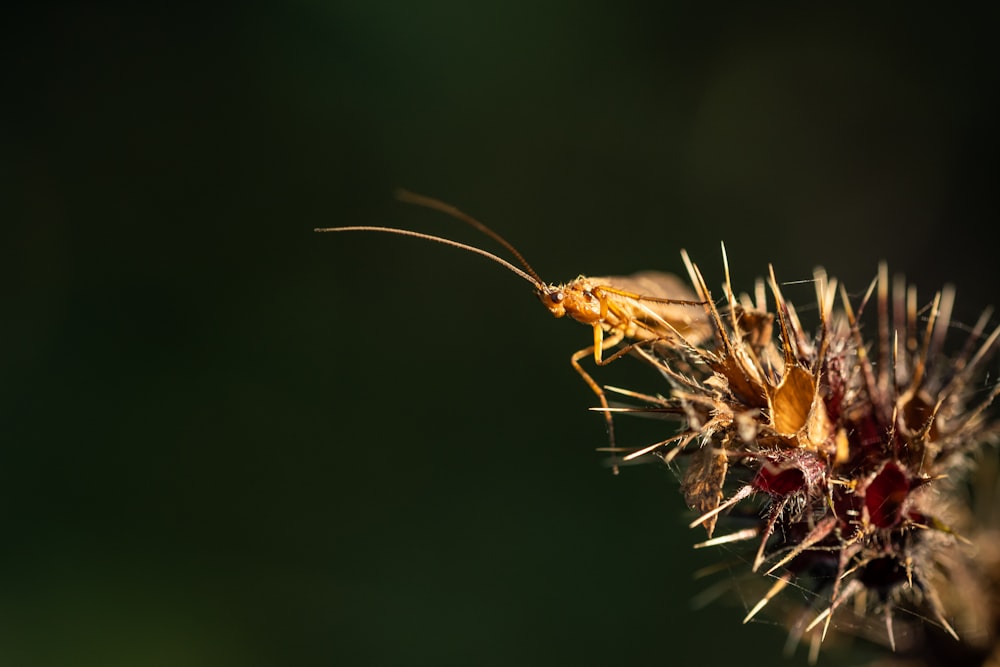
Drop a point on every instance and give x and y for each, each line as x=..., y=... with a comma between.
x=845, y=450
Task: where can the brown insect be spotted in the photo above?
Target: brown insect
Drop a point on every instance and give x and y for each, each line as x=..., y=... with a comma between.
x=647, y=307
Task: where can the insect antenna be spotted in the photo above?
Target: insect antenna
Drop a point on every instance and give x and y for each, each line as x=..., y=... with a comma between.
x=533, y=279
x=438, y=205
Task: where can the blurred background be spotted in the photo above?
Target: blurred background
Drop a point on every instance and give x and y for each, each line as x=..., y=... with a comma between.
x=228, y=440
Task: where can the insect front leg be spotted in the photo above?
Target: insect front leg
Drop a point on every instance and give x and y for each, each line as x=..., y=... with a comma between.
x=596, y=350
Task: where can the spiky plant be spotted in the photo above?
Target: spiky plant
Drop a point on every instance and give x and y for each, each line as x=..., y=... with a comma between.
x=844, y=461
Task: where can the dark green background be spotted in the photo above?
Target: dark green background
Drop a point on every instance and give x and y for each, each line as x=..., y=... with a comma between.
x=229, y=441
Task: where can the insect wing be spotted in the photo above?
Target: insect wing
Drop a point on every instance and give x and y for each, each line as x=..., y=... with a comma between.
x=688, y=320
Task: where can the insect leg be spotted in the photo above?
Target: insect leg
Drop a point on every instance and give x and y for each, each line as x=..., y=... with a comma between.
x=598, y=347
x=613, y=340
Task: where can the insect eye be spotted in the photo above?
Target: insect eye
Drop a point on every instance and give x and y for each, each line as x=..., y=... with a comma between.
x=590, y=297
x=556, y=297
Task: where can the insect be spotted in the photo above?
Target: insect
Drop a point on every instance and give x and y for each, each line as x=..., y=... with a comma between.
x=649, y=307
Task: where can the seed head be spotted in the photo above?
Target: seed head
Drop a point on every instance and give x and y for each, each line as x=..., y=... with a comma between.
x=846, y=454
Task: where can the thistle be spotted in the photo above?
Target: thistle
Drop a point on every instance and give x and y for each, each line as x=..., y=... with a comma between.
x=842, y=462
